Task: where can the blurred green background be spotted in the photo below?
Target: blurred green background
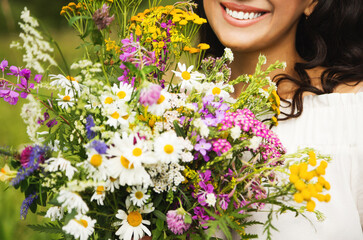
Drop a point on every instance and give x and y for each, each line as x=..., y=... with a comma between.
x=12, y=127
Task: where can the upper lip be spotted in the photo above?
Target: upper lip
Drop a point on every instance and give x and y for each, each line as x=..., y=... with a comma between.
x=243, y=8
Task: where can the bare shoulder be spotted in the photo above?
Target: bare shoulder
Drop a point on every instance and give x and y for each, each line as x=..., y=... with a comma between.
x=353, y=87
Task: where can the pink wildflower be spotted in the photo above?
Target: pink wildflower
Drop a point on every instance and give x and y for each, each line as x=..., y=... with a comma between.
x=150, y=95
x=176, y=221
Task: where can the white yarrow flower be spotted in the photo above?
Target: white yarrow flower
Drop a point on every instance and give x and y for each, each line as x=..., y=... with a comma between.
x=211, y=199
x=228, y=54
x=255, y=142
x=236, y=132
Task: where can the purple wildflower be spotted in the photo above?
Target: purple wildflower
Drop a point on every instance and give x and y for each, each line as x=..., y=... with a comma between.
x=52, y=123
x=99, y=146
x=25, y=73
x=14, y=71
x=46, y=117
x=38, y=78
x=202, y=147
x=11, y=96
x=223, y=201
x=102, y=18
x=36, y=157
x=90, y=123
x=176, y=220
x=26, y=204
x=25, y=87
x=150, y=95
x=3, y=65
x=201, y=215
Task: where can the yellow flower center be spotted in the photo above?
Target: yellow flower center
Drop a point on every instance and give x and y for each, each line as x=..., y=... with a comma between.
x=216, y=91
x=121, y=94
x=137, y=152
x=96, y=160
x=161, y=99
x=84, y=223
x=125, y=117
x=169, y=149
x=134, y=219
x=113, y=179
x=100, y=190
x=66, y=98
x=108, y=100
x=126, y=163
x=115, y=115
x=186, y=75
x=139, y=195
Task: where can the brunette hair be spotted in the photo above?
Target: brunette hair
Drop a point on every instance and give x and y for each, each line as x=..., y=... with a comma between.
x=331, y=37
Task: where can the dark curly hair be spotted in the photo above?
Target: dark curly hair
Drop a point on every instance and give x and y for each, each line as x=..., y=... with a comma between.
x=331, y=37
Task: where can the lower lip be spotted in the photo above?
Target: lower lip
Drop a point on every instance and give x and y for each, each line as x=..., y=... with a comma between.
x=241, y=23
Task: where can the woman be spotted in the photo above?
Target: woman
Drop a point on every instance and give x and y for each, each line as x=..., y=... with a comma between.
x=322, y=44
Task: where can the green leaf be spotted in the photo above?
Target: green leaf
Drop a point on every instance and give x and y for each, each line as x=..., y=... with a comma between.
x=50, y=227
x=73, y=19
x=178, y=130
x=187, y=219
x=70, y=216
x=97, y=37
x=159, y=224
x=148, y=69
x=160, y=215
x=132, y=68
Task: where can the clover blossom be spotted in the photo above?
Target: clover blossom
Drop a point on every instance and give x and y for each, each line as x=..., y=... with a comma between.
x=150, y=95
x=177, y=221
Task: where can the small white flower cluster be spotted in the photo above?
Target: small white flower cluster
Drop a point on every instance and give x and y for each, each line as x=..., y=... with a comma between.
x=31, y=113
x=36, y=48
x=166, y=177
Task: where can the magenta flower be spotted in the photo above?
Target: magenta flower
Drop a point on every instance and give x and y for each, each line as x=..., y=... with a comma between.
x=11, y=97
x=38, y=78
x=102, y=18
x=150, y=95
x=176, y=220
x=3, y=65
x=25, y=156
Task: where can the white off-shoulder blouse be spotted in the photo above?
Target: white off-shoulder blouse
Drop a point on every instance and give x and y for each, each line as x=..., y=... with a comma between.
x=332, y=124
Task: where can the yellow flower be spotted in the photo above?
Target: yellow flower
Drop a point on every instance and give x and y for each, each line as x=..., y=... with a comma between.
x=310, y=206
x=6, y=174
x=298, y=197
x=200, y=21
x=203, y=46
x=183, y=22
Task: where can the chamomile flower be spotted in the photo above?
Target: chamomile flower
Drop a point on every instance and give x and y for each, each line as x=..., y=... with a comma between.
x=71, y=200
x=117, y=117
x=69, y=83
x=112, y=184
x=189, y=79
x=99, y=195
x=219, y=89
x=132, y=225
x=60, y=164
x=161, y=105
x=55, y=213
x=108, y=99
x=122, y=92
x=95, y=165
x=66, y=100
x=168, y=147
x=81, y=227
x=138, y=196
x=126, y=160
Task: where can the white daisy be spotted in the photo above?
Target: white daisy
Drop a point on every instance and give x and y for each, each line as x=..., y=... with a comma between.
x=95, y=165
x=161, y=105
x=112, y=184
x=122, y=92
x=55, y=213
x=189, y=79
x=168, y=147
x=81, y=227
x=132, y=225
x=60, y=164
x=126, y=160
x=117, y=117
x=219, y=89
x=138, y=196
x=71, y=200
x=66, y=100
x=69, y=83
x=99, y=195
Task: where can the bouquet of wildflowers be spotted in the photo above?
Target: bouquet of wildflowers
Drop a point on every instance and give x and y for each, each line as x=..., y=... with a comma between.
x=142, y=137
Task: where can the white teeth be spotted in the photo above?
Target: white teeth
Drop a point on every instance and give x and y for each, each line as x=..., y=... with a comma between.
x=242, y=15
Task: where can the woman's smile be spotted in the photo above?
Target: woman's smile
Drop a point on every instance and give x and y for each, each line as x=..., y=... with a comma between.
x=240, y=15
